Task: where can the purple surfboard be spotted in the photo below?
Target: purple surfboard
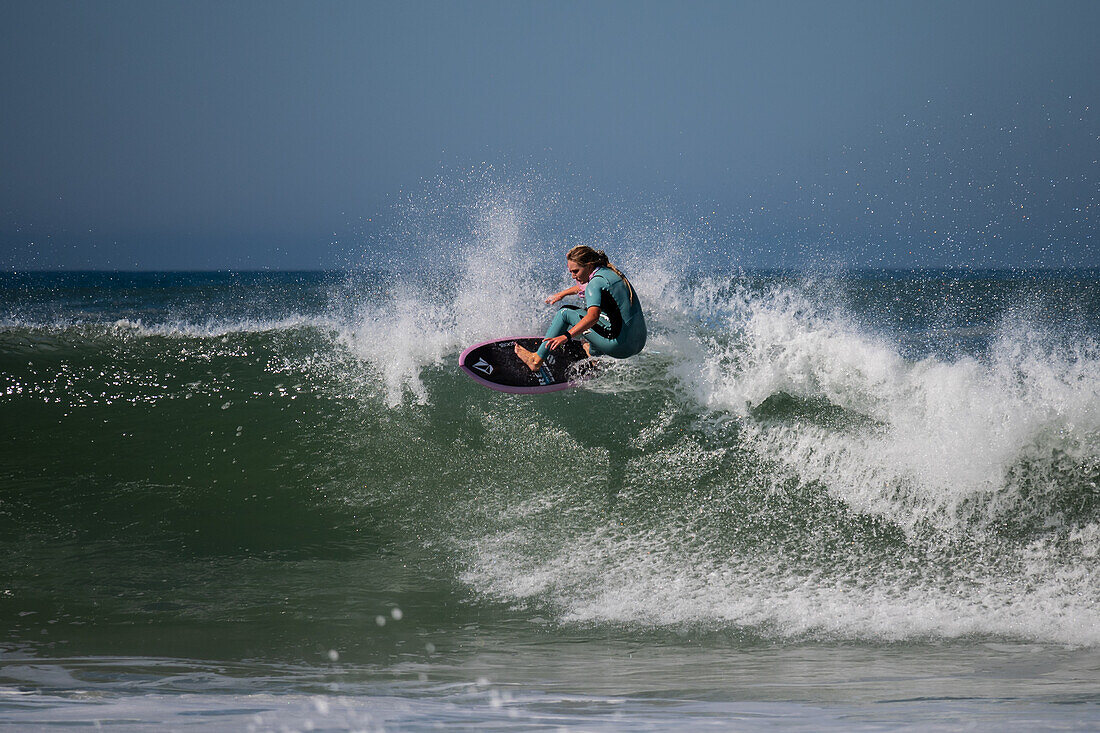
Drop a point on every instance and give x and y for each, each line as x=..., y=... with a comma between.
x=495, y=364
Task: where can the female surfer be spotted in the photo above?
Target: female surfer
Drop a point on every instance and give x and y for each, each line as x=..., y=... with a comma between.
x=611, y=323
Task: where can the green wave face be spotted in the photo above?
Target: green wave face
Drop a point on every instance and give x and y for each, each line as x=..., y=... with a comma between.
x=770, y=467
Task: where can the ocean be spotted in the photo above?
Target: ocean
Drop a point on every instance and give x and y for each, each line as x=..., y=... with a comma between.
x=840, y=500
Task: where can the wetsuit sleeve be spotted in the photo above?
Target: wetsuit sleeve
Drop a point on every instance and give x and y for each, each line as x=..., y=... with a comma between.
x=592, y=294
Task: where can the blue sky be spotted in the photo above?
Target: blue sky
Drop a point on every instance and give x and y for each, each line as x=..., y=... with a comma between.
x=214, y=135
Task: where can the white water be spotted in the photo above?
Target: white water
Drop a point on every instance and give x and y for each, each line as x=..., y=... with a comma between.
x=947, y=450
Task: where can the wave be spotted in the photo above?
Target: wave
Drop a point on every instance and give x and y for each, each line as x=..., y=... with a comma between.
x=794, y=472
x=137, y=328
x=778, y=460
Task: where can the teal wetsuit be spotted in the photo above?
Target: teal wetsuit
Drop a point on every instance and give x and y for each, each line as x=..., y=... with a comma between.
x=620, y=332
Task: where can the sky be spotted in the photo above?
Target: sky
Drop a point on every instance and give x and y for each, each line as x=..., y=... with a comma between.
x=294, y=135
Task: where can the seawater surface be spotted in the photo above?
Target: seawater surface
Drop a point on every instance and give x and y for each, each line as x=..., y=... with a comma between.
x=270, y=501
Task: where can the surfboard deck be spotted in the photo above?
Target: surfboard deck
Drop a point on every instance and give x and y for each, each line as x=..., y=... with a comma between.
x=495, y=365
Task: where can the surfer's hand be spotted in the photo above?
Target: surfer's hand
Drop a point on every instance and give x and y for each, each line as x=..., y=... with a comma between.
x=556, y=341
x=553, y=299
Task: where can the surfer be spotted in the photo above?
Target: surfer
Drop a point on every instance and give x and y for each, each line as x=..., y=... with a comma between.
x=611, y=322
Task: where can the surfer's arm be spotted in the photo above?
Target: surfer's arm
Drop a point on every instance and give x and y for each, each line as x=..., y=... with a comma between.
x=575, y=290
x=583, y=325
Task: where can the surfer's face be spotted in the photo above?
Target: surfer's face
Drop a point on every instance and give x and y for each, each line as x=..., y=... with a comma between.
x=580, y=273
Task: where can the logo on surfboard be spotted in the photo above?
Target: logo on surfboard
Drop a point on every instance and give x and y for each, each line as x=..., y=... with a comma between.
x=483, y=366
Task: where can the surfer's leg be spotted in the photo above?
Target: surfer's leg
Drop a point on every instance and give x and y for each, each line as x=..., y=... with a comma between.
x=626, y=345
x=615, y=348
x=597, y=345
x=566, y=317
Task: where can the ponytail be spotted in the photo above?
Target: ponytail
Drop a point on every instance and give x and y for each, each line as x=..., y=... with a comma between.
x=584, y=255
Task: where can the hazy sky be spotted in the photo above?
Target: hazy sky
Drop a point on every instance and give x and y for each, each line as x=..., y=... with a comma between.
x=208, y=135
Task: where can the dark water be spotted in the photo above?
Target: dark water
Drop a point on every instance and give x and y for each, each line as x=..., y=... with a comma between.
x=271, y=501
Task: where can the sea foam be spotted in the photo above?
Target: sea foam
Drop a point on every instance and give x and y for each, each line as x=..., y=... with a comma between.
x=975, y=472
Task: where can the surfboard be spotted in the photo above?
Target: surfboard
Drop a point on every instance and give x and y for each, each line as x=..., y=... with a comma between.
x=495, y=365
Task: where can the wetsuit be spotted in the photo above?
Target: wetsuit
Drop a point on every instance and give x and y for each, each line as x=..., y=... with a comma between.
x=620, y=332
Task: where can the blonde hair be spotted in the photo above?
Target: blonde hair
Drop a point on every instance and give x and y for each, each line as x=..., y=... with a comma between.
x=584, y=256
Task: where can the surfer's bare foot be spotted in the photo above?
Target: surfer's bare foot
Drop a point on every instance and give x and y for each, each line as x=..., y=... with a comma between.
x=530, y=358
x=588, y=349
